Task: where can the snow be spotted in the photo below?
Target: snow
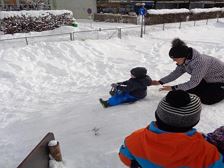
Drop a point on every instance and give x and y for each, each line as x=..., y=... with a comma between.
x=55, y=164
x=199, y=10
x=32, y=13
x=167, y=11
x=55, y=87
x=183, y=10
x=53, y=143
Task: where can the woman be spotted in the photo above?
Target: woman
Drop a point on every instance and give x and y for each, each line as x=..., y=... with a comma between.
x=207, y=73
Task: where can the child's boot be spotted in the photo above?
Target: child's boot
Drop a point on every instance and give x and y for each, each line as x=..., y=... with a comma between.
x=104, y=103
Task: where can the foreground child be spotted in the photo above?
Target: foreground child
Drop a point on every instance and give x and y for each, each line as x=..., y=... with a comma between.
x=131, y=90
x=171, y=141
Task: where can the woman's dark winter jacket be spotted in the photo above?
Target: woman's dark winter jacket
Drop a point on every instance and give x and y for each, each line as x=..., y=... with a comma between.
x=199, y=66
x=136, y=87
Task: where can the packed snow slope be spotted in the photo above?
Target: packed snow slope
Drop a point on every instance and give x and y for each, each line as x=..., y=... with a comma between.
x=55, y=87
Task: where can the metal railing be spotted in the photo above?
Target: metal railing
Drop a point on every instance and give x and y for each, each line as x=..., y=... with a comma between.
x=77, y=35
x=100, y=33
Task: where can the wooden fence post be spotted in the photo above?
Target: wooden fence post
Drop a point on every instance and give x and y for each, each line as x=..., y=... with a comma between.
x=180, y=25
x=119, y=33
x=26, y=40
x=163, y=26
x=39, y=156
x=55, y=151
x=217, y=18
x=71, y=37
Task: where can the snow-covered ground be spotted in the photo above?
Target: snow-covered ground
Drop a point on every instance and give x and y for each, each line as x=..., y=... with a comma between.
x=55, y=87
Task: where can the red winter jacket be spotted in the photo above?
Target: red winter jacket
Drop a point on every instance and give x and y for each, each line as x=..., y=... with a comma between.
x=154, y=148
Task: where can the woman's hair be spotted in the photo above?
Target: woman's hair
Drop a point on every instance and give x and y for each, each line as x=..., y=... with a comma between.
x=179, y=49
x=178, y=42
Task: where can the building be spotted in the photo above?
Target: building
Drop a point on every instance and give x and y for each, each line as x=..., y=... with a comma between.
x=127, y=6
x=189, y=4
x=81, y=8
x=122, y=6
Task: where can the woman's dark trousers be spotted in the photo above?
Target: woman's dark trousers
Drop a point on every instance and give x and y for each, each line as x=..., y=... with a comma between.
x=209, y=93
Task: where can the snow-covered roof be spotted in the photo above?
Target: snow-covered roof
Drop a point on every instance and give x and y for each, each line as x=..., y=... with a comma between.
x=32, y=13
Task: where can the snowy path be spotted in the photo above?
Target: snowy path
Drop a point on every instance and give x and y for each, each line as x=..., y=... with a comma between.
x=55, y=87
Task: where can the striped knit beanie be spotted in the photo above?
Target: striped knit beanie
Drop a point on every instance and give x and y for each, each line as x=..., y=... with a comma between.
x=178, y=111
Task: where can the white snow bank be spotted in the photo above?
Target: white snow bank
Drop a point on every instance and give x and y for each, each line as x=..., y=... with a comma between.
x=32, y=13
x=54, y=164
x=171, y=11
x=52, y=143
x=167, y=11
x=198, y=10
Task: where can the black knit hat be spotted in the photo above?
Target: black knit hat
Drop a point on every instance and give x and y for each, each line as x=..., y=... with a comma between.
x=179, y=111
x=179, y=52
x=179, y=49
x=139, y=72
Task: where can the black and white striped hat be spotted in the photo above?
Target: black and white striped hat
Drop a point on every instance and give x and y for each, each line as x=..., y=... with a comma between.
x=179, y=109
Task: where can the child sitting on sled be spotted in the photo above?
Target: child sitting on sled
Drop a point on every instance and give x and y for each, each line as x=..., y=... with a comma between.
x=131, y=90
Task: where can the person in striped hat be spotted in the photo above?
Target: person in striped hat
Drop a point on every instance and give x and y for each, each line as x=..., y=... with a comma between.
x=207, y=73
x=171, y=141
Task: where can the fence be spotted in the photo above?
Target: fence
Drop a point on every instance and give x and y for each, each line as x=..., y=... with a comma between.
x=101, y=33
x=78, y=35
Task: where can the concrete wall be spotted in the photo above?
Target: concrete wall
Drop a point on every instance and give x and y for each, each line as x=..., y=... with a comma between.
x=196, y=5
x=180, y=17
x=152, y=19
x=78, y=7
x=117, y=18
x=166, y=6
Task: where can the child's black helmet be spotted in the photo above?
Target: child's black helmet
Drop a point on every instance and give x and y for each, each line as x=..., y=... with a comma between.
x=139, y=72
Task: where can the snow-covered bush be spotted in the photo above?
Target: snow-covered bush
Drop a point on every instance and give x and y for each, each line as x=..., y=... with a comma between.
x=27, y=21
x=200, y=14
x=178, y=15
x=166, y=16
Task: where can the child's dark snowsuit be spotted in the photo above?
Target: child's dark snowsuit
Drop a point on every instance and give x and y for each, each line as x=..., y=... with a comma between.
x=131, y=90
